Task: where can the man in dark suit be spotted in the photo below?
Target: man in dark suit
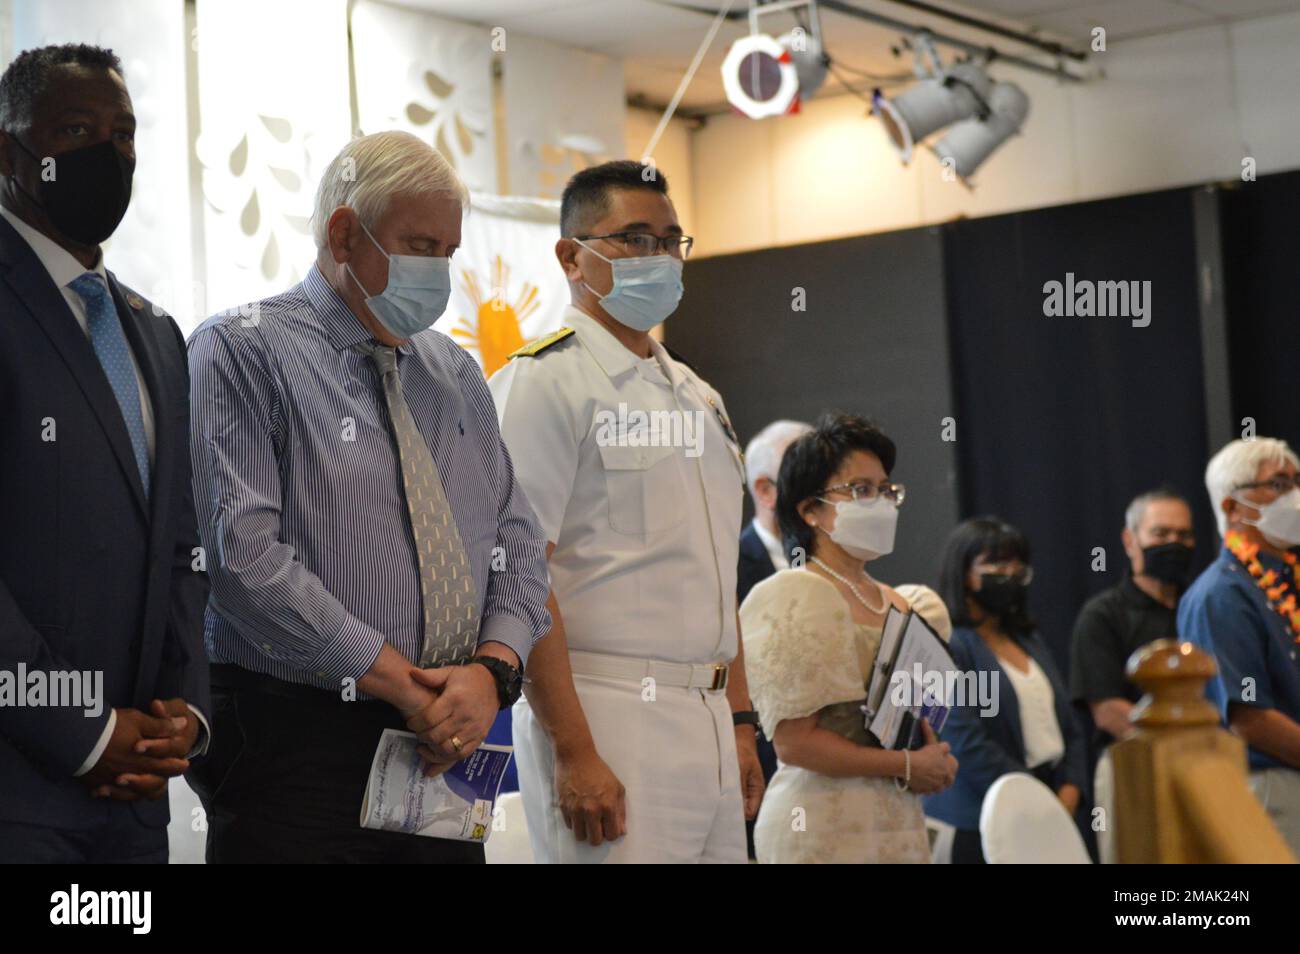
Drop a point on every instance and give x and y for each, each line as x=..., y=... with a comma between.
x=103, y=677
x=761, y=551
x=755, y=562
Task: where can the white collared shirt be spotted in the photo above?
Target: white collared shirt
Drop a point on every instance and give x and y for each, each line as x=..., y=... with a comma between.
x=646, y=523
x=775, y=551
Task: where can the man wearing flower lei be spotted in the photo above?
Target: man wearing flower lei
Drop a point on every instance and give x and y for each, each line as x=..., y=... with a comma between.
x=1245, y=610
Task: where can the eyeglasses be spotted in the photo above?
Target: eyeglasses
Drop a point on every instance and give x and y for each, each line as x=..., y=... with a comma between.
x=1183, y=535
x=1279, y=484
x=639, y=244
x=1009, y=571
x=866, y=490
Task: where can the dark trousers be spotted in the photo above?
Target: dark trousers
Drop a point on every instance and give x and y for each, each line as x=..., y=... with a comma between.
x=284, y=779
x=967, y=849
x=121, y=839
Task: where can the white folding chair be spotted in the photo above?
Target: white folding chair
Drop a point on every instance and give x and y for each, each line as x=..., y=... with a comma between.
x=1023, y=822
x=508, y=843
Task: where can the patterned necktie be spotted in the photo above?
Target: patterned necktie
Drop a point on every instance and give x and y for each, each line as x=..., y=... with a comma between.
x=109, y=342
x=446, y=582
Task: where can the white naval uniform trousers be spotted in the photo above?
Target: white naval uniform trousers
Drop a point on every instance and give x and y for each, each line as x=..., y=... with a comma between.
x=645, y=516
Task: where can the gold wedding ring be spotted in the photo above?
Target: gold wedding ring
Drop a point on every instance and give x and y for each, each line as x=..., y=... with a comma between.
x=456, y=743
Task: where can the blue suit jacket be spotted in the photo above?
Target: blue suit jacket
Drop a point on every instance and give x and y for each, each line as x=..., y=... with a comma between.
x=988, y=747
x=754, y=565
x=92, y=575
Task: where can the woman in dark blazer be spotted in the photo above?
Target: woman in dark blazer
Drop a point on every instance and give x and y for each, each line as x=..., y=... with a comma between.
x=1030, y=727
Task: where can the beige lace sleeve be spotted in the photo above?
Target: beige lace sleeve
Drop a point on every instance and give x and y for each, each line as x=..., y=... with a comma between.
x=800, y=654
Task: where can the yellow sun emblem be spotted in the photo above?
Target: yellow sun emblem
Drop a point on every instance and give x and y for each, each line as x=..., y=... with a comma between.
x=495, y=331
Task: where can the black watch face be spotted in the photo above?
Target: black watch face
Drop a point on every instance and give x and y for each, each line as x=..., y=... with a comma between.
x=514, y=686
x=509, y=681
x=512, y=690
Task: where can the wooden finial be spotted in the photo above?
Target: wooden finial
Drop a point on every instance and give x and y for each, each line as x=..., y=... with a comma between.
x=1172, y=676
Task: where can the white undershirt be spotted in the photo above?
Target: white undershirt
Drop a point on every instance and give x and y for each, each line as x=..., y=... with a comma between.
x=774, y=548
x=1042, y=733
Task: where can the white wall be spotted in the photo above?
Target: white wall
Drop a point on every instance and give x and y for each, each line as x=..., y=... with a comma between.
x=672, y=155
x=1172, y=110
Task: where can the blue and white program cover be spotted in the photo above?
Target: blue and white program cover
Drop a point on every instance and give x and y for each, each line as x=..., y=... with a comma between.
x=457, y=804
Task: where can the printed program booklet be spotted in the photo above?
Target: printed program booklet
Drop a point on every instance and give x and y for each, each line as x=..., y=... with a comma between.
x=456, y=804
x=910, y=657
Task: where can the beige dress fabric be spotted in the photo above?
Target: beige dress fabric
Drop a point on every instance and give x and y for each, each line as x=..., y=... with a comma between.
x=804, y=654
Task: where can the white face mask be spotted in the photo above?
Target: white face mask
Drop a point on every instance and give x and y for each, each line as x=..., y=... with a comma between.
x=646, y=290
x=1278, y=521
x=865, y=528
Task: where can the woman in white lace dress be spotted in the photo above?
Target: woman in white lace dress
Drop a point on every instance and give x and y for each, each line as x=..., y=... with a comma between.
x=811, y=635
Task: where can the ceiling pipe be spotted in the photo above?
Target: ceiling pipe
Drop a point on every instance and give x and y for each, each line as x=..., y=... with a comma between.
x=1057, y=71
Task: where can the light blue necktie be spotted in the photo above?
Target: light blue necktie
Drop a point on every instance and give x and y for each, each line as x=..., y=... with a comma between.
x=109, y=342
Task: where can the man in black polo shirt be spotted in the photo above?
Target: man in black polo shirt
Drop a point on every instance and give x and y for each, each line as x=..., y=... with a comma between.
x=1142, y=607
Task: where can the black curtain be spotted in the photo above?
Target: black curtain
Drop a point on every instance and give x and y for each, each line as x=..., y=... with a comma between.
x=871, y=339
x=1261, y=245
x=1060, y=421
x=1064, y=420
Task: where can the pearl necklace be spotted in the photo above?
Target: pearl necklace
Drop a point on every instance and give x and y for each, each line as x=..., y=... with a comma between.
x=861, y=599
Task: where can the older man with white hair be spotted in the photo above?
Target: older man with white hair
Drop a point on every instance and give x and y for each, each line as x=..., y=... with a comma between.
x=1245, y=610
x=762, y=552
x=373, y=561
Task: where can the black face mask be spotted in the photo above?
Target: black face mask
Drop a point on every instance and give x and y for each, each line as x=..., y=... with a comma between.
x=1001, y=595
x=89, y=193
x=1168, y=563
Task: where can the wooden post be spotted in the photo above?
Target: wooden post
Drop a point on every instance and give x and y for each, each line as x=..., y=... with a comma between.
x=1181, y=793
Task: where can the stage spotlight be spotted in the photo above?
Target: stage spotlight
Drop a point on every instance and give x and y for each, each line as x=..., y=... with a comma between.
x=932, y=104
x=809, y=60
x=969, y=143
x=760, y=78
x=768, y=77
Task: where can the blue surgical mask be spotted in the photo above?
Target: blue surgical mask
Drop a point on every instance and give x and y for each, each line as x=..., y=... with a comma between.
x=419, y=287
x=646, y=288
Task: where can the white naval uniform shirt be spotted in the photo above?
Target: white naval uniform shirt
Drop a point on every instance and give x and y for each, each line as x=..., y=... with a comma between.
x=646, y=537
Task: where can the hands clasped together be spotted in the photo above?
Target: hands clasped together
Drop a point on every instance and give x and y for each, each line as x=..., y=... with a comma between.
x=451, y=709
x=144, y=751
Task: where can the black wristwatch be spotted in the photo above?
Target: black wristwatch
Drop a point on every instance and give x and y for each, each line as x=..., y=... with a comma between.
x=510, y=681
x=745, y=717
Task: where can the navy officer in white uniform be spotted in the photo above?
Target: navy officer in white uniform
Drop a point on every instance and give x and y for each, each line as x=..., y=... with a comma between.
x=635, y=739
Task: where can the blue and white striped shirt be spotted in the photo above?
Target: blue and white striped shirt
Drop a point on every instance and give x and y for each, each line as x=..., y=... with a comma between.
x=299, y=493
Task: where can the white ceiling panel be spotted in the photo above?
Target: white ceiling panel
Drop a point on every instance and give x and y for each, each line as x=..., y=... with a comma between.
x=657, y=41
